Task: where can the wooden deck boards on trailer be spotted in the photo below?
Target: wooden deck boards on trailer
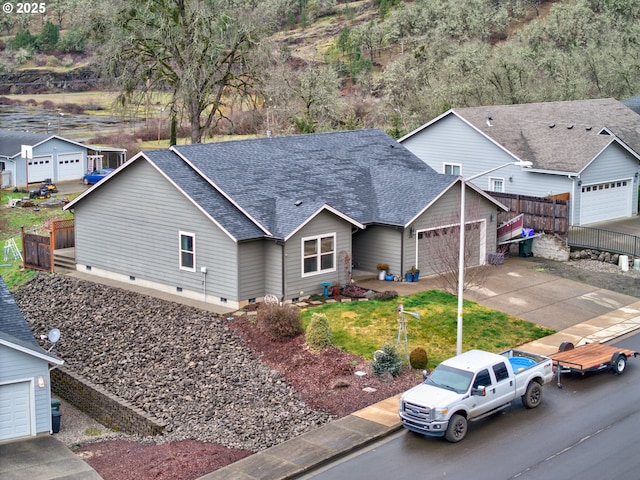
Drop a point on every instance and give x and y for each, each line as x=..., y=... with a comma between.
x=589, y=356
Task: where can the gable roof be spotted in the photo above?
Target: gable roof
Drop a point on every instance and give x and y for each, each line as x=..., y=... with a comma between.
x=555, y=136
x=269, y=187
x=14, y=331
x=11, y=142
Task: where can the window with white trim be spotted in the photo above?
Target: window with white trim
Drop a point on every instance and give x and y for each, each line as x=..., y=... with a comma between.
x=496, y=184
x=452, y=169
x=188, y=251
x=318, y=254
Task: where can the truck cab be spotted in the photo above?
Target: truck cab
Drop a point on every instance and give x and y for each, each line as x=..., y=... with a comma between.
x=472, y=386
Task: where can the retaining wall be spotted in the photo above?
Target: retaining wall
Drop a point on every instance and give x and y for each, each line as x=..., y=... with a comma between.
x=104, y=407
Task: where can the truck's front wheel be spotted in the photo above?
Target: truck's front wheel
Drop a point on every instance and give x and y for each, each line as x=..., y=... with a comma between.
x=533, y=396
x=457, y=428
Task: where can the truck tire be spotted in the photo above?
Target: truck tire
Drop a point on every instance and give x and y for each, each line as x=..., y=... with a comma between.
x=533, y=395
x=457, y=428
x=618, y=363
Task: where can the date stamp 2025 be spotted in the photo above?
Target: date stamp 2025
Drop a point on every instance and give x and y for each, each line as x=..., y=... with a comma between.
x=25, y=8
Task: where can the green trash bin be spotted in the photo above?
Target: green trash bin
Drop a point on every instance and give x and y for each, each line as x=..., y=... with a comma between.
x=525, y=247
x=55, y=404
x=55, y=421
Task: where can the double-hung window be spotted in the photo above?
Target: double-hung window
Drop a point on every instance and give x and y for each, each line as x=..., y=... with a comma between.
x=187, y=251
x=452, y=169
x=318, y=254
x=496, y=184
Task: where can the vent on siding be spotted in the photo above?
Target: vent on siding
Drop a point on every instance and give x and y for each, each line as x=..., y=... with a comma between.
x=178, y=289
x=132, y=278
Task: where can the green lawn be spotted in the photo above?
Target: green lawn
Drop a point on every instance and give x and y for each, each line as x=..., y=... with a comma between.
x=364, y=327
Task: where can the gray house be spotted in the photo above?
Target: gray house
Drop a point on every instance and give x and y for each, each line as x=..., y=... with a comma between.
x=230, y=222
x=25, y=393
x=586, y=150
x=33, y=157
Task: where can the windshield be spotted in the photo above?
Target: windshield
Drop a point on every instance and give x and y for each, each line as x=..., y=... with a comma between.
x=450, y=378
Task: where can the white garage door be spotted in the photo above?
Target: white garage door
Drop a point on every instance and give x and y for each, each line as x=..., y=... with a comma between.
x=15, y=410
x=438, y=248
x=40, y=168
x=605, y=201
x=70, y=166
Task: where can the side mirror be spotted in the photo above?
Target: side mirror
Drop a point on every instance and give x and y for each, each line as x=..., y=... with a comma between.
x=479, y=392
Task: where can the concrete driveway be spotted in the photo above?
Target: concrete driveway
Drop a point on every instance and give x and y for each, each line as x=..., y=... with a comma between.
x=42, y=458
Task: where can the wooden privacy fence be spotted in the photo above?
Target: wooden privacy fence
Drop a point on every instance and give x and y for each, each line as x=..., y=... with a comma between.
x=38, y=250
x=543, y=214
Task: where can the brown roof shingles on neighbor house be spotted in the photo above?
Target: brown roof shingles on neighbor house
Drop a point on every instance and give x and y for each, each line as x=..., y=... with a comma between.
x=539, y=131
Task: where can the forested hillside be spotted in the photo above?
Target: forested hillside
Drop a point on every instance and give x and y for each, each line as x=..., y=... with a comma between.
x=315, y=65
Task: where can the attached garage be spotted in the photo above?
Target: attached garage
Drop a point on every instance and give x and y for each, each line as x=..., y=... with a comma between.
x=16, y=419
x=70, y=166
x=606, y=201
x=438, y=248
x=40, y=168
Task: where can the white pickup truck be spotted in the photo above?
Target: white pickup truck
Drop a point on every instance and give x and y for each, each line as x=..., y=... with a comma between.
x=472, y=386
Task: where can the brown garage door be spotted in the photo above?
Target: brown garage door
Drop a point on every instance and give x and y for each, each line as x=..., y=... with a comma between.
x=438, y=248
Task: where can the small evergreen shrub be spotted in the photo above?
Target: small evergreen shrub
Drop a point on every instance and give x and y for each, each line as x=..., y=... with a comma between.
x=280, y=321
x=386, y=360
x=418, y=358
x=319, y=334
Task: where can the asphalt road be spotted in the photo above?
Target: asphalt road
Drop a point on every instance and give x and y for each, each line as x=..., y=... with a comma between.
x=586, y=430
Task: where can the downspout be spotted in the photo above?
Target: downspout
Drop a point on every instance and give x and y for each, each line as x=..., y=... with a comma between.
x=403, y=267
x=284, y=273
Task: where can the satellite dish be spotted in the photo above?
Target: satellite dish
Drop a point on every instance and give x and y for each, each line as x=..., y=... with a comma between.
x=54, y=335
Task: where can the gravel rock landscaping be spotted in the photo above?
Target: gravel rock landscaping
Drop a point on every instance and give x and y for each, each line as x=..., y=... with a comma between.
x=180, y=364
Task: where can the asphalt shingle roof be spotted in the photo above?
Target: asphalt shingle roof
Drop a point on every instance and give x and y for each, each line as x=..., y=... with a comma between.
x=364, y=174
x=11, y=141
x=573, y=141
x=13, y=327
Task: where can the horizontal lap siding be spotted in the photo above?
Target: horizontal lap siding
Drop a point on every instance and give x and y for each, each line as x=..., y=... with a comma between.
x=130, y=225
x=15, y=365
x=324, y=223
x=273, y=269
x=375, y=245
x=446, y=211
x=252, y=269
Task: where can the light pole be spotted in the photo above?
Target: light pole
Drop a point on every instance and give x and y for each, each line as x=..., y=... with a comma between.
x=519, y=163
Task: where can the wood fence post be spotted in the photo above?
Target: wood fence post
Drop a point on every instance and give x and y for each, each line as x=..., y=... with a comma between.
x=24, y=251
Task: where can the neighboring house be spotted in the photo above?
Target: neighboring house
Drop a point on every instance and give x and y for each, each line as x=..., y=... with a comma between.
x=584, y=150
x=49, y=156
x=25, y=393
x=230, y=222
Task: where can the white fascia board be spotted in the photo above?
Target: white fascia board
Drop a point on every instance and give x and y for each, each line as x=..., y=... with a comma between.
x=43, y=356
x=469, y=185
x=222, y=192
x=323, y=208
x=108, y=178
x=422, y=127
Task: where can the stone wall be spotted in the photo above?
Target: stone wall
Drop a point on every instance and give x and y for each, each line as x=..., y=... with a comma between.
x=546, y=246
x=104, y=407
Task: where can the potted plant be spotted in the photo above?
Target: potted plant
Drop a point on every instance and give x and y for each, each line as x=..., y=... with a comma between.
x=412, y=274
x=389, y=277
x=382, y=270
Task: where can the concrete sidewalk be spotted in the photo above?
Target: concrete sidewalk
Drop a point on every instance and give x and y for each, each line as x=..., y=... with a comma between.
x=580, y=314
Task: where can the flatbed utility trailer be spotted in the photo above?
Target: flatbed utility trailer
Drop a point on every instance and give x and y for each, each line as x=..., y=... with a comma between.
x=591, y=357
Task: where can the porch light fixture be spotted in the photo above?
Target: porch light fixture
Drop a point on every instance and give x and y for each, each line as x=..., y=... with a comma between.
x=40, y=381
x=519, y=163
x=412, y=232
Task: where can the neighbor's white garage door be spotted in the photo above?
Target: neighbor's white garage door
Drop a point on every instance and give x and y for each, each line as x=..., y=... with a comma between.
x=15, y=410
x=40, y=168
x=605, y=201
x=438, y=248
x=70, y=166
